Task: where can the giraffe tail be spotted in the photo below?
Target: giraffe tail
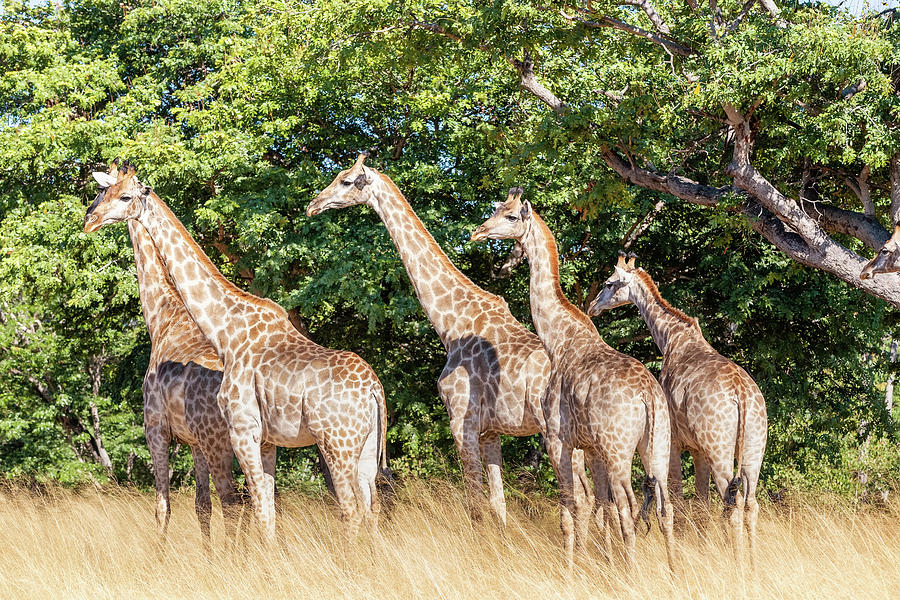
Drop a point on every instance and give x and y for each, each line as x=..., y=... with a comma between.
x=730, y=499
x=383, y=468
x=651, y=483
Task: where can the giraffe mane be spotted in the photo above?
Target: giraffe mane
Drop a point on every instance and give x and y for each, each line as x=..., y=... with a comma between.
x=436, y=248
x=213, y=270
x=573, y=310
x=654, y=292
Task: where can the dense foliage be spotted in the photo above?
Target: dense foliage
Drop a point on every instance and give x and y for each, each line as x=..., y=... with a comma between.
x=238, y=112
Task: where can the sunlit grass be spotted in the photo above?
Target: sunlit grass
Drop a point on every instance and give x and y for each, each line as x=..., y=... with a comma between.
x=88, y=544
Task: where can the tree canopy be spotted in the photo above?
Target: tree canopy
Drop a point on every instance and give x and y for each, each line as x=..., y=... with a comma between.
x=748, y=153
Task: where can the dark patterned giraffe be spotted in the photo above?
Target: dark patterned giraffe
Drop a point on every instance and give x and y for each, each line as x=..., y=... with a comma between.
x=598, y=399
x=180, y=388
x=496, y=370
x=718, y=413
x=278, y=387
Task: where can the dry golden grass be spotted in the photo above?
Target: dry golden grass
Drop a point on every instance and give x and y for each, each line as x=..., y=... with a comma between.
x=64, y=544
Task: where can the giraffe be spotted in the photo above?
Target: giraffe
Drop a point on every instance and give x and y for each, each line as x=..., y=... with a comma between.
x=885, y=261
x=598, y=399
x=496, y=370
x=717, y=410
x=277, y=387
x=180, y=387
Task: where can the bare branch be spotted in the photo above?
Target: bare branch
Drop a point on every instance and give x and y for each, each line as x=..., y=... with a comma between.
x=799, y=234
x=851, y=90
x=782, y=221
x=651, y=13
x=641, y=225
x=741, y=15
x=529, y=82
x=895, y=189
x=608, y=22
x=770, y=6
x=716, y=21
x=512, y=261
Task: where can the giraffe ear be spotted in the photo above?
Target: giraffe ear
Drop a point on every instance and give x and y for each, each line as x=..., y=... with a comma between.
x=526, y=210
x=620, y=272
x=105, y=180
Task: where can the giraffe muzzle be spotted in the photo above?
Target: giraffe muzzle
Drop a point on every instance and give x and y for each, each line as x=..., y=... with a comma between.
x=91, y=223
x=479, y=234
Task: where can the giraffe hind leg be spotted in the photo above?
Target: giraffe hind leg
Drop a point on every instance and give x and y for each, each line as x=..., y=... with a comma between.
x=492, y=456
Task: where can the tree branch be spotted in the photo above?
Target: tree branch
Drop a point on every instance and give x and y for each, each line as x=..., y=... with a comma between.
x=895, y=189
x=651, y=13
x=512, y=261
x=799, y=235
x=781, y=221
x=641, y=225
x=608, y=22
x=529, y=82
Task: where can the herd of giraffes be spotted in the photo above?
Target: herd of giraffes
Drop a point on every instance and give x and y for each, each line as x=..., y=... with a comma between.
x=230, y=375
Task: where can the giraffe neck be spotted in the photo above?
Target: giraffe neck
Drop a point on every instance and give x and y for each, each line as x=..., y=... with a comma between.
x=670, y=328
x=556, y=319
x=160, y=303
x=215, y=304
x=450, y=300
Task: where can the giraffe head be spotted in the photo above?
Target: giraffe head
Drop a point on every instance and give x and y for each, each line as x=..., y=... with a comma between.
x=511, y=219
x=352, y=186
x=615, y=290
x=888, y=258
x=121, y=197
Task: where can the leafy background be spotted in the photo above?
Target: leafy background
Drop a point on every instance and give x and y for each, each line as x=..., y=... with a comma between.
x=239, y=112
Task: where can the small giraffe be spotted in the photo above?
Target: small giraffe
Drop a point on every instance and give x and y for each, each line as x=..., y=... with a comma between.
x=496, y=370
x=598, y=399
x=180, y=388
x=886, y=260
x=717, y=410
x=278, y=387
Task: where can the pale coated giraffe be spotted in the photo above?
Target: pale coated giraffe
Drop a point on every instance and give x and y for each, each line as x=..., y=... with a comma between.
x=718, y=413
x=278, y=387
x=598, y=399
x=496, y=370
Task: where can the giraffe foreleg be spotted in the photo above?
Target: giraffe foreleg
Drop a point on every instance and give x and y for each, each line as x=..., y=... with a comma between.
x=156, y=430
x=269, y=455
x=583, y=497
x=676, y=489
x=604, y=515
x=561, y=459
x=220, y=459
x=202, y=503
x=241, y=411
x=463, y=402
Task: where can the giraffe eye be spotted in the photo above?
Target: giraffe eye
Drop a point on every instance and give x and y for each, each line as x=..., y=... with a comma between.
x=512, y=218
x=125, y=198
x=346, y=182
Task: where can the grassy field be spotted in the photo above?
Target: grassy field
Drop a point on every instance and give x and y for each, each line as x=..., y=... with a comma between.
x=89, y=544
